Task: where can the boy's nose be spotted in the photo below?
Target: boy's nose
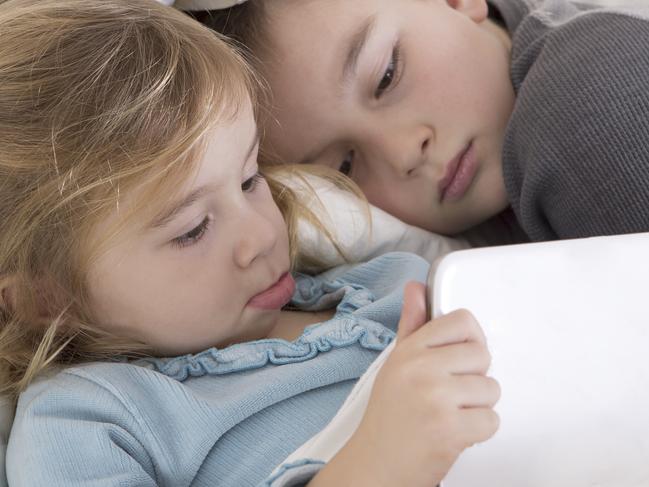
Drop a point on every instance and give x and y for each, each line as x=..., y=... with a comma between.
x=257, y=237
x=406, y=151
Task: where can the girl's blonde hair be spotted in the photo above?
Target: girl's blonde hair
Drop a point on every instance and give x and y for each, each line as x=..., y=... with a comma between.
x=96, y=98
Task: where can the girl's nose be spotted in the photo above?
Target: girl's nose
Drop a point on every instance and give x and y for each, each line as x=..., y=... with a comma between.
x=257, y=237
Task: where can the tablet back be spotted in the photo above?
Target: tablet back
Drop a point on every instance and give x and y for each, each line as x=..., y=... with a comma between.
x=567, y=324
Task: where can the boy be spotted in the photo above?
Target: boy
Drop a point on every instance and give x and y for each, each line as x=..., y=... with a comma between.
x=445, y=112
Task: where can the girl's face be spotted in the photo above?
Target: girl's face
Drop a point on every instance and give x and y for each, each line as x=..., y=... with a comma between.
x=191, y=278
x=395, y=93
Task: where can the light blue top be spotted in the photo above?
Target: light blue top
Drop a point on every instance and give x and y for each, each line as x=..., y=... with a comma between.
x=219, y=418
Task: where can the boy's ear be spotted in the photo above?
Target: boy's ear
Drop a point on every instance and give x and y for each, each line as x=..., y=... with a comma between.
x=476, y=10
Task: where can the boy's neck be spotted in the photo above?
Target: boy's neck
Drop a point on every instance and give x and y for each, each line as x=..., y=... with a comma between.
x=500, y=32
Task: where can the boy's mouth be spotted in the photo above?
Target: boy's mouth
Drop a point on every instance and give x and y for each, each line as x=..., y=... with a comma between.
x=459, y=175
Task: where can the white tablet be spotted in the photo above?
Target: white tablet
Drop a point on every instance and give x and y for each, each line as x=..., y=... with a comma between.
x=567, y=324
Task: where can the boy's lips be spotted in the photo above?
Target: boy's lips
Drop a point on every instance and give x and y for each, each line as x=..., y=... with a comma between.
x=459, y=175
x=276, y=296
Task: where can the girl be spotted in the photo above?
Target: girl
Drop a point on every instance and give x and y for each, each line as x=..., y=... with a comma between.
x=447, y=112
x=145, y=269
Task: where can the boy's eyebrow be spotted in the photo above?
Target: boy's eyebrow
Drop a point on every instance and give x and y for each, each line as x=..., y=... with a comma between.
x=254, y=142
x=166, y=217
x=356, y=45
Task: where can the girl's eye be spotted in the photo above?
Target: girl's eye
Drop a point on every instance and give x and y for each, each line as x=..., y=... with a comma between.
x=249, y=185
x=347, y=165
x=193, y=236
x=390, y=74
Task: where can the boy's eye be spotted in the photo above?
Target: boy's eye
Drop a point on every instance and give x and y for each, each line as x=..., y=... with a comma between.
x=193, y=236
x=250, y=184
x=390, y=73
x=347, y=165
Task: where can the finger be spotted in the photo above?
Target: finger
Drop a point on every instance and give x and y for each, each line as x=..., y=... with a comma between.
x=413, y=313
x=478, y=425
x=456, y=327
x=467, y=358
x=474, y=391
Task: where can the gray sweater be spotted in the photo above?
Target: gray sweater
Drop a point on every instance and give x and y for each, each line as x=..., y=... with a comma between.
x=576, y=151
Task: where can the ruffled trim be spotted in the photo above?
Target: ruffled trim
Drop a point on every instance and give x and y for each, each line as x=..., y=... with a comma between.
x=312, y=294
x=343, y=330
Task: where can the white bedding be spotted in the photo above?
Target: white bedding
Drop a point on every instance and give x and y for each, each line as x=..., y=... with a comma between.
x=360, y=234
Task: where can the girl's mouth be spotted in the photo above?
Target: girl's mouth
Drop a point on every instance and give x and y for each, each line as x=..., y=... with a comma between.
x=276, y=296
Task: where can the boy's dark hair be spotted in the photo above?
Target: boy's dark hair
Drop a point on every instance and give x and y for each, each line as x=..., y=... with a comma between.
x=244, y=24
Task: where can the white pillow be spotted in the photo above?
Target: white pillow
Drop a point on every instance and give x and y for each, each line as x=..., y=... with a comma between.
x=361, y=234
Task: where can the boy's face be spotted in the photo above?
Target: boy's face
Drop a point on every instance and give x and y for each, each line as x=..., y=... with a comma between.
x=409, y=97
x=193, y=280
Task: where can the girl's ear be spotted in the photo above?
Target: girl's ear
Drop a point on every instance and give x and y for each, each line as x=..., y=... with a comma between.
x=7, y=293
x=44, y=305
x=476, y=10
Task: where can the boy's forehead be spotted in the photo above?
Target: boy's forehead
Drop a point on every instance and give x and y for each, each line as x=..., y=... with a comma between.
x=328, y=20
x=319, y=36
x=307, y=51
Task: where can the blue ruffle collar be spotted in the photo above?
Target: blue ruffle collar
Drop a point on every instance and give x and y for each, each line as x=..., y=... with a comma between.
x=312, y=294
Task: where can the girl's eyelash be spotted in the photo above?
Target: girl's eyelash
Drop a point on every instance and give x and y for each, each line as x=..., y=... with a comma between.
x=250, y=184
x=391, y=74
x=193, y=236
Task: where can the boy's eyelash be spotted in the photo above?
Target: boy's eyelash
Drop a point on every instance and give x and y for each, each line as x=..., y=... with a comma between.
x=250, y=184
x=347, y=165
x=391, y=74
x=193, y=236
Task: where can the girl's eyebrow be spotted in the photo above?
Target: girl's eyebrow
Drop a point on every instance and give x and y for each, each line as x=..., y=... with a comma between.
x=164, y=219
x=355, y=46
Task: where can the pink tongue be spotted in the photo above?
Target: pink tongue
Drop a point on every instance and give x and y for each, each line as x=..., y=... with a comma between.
x=277, y=296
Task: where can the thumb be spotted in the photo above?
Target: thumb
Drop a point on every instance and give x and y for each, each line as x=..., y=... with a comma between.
x=413, y=313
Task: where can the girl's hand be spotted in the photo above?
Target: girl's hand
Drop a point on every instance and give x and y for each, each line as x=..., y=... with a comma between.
x=431, y=399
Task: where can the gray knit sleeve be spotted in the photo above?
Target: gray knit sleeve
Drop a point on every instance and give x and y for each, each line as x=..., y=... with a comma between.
x=576, y=153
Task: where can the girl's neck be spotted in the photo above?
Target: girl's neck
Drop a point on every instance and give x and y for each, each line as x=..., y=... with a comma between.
x=291, y=324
